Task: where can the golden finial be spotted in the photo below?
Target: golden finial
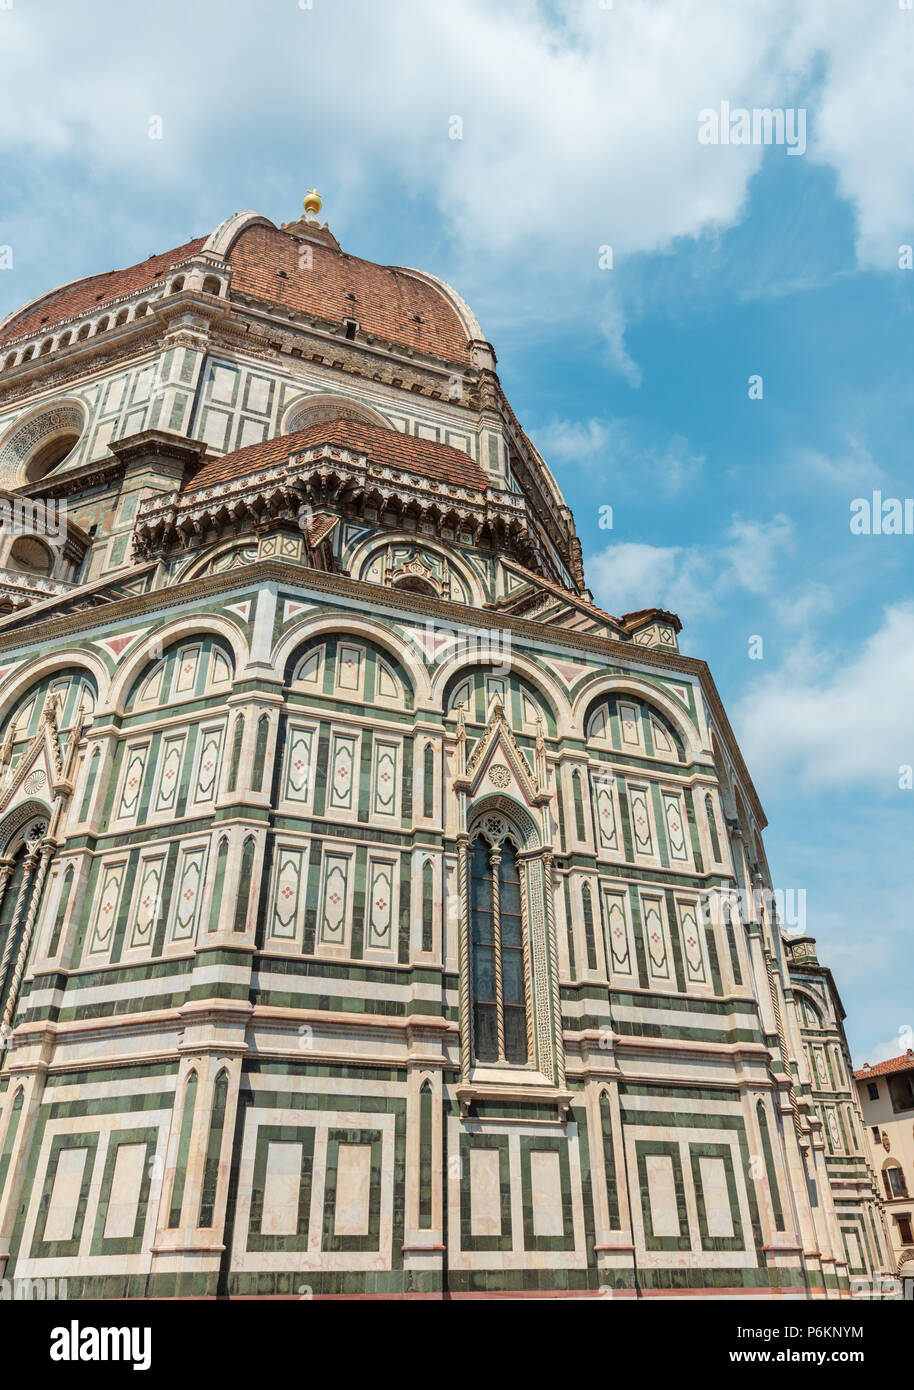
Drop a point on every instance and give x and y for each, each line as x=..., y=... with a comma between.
x=312, y=202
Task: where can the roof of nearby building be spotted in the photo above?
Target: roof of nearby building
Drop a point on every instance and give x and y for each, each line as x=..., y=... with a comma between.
x=439, y=462
x=882, y=1068
x=385, y=301
x=82, y=295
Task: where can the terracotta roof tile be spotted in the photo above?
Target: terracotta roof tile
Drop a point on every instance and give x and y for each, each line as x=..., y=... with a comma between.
x=321, y=526
x=95, y=291
x=438, y=462
x=387, y=303
x=883, y=1068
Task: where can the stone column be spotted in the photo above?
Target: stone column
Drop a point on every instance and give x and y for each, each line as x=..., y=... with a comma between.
x=10, y=943
x=12, y=994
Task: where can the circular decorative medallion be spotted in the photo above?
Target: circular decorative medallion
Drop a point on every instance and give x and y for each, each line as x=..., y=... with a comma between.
x=35, y=781
x=499, y=775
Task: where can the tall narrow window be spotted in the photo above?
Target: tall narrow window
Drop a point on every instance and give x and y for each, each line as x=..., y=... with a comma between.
x=485, y=947
x=260, y=752
x=218, y=884
x=425, y=1157
x=187, y=1124
x=236, y=754
x=770, y=1168
x=428, y=782
x=712, y=828
x=213, y=1150
x=242, y=902
x=10, y=1139
x=731, y=943
x=589, y=937
x=609, y=1162
x=90, y=783
x=61, y=914
x=578, y=805
x=497, y=962
x=428, y=905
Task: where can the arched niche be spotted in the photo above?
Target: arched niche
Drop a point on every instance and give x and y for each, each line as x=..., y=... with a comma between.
x=37, y=446
x=321, y=409
x=187, y=669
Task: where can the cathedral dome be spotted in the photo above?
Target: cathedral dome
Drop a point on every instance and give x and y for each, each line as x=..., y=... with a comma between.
x=387, y=302
x=83, y=296
x=300, y=268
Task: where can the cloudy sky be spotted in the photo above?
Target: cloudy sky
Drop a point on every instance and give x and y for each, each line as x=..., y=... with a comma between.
x=578, y=125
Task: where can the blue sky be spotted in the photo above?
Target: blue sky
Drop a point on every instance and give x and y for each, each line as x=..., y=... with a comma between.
x=579, y=131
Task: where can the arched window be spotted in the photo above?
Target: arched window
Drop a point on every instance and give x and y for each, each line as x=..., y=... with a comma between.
x=60, y=915
x=213, y=1150
x=236, y=754
x=212, y=285
x=242, y=902
x=428, y=782
x=260, y=752
x=770, y=1168
x=10, y=1139
x=609, y=1162
x=94, y=763
x=498, y=965
x=589, y=936
x=218, y=884
x=712, y=828
x=428, y=905
x=578, y=794
x=187, y=1124
x=425, y=1157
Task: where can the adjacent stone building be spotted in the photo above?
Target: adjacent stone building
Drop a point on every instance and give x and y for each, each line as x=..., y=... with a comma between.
x=380, y=917
x=886, y=1092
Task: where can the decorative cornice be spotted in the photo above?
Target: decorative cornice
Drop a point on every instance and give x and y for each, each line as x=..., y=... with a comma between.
x=325, y=475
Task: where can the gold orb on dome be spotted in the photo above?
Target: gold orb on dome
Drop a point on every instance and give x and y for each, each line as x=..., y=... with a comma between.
x=312, y=201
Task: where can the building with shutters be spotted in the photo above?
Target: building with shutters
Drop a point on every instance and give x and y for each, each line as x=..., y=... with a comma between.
x=379, y=917
x=886, y=1092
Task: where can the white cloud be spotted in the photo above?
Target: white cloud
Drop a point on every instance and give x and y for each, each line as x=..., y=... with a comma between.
x=692, y=581
x=853, y=471
x=825, y=721
x=623, y=456
x=628, y=576
x=754, y=550
x=895, y=1047
x=579, y=129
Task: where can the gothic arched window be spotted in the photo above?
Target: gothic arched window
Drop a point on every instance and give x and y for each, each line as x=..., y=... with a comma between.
x=498, y=966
